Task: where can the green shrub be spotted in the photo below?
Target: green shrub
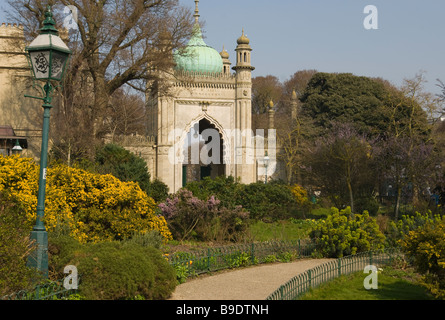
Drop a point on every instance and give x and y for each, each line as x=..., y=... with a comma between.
x=226, y=189
x=270, y=259
x=158, y=190
x=343, y=234
x=183, y=271
x=124, y=165
x=367, y=204
x=320, y=213
x=287, y=256
x=270, y=202
x=118, y=270
x=426, y=248
x=237, y=259
x=151, y=238
x=61, y=249
x=398, y=230
x=15, y=247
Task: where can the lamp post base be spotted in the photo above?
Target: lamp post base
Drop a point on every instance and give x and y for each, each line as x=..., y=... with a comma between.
x=38, y=259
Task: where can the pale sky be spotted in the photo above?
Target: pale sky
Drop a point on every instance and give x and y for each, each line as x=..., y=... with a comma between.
x=329, y=36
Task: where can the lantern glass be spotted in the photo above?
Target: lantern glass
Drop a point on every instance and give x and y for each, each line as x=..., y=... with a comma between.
x=48, y=64
x=40, y=64
x=58, y=64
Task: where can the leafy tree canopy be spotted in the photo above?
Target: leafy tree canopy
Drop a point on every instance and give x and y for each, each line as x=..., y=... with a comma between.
x=372, y=105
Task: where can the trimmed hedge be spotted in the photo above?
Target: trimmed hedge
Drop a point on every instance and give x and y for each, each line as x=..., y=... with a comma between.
x=116, y=270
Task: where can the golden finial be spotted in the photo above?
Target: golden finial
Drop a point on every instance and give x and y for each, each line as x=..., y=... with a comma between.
x=196, y=15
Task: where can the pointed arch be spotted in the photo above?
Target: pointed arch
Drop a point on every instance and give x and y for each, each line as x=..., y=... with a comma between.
x=224, y=137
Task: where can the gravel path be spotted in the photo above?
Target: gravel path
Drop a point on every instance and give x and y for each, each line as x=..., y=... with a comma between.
x=254, y=283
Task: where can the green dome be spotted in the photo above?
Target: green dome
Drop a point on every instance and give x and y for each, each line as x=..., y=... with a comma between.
x=199, y=57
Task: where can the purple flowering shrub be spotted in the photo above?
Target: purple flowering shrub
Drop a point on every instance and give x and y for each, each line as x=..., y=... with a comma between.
x=191, y=218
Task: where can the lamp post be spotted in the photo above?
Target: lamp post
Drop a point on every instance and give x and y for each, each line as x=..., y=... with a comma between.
x=266, y=164
x=48, y=56
x=17, y=148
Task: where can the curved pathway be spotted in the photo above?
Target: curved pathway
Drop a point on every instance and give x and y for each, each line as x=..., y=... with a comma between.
x=253, y=283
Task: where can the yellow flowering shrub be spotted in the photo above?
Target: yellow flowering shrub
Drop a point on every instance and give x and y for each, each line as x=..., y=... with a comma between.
x=301, y=198
x=300, y=195
x=425, y=246
x=94, y=207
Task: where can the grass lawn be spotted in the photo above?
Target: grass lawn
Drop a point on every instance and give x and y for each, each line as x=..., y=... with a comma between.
x=393, y=284
x=282, y=230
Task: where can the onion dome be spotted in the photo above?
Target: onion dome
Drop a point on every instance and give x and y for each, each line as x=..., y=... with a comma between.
x=243, y=39
x=224, y=54
x=198, y=56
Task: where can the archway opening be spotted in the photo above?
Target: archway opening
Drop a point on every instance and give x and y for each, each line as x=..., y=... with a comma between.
x=203, y=153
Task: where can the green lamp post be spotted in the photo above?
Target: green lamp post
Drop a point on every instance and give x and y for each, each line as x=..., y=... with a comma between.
x=48, y=56
x=17, y=148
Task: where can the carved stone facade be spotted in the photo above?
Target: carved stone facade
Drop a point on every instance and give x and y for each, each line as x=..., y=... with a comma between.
x=21, y=114
x=197, y=101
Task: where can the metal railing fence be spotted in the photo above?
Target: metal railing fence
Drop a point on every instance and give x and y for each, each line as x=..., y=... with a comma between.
x=302, y=283
x=215, y=259
x=53, y=290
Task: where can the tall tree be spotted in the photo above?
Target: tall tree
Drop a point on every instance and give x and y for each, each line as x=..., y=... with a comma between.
x=295, y=133
x=404, y=164
x=296, y=83
x=116, y=43
x=294, y=128
x=264, y=90
x=409, y=126
x=346, y=98
x=128, y=114
x=341, y=165
x=441, y=97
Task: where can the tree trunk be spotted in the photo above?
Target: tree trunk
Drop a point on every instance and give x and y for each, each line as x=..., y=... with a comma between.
x=100, y=106
x=348, y=181
x=351, y=196
x=289, y=174
x=415, y=192
x=397, y=206
x=68, y=160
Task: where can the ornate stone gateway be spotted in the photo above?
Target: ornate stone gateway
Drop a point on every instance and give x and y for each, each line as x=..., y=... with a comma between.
x=204, y=128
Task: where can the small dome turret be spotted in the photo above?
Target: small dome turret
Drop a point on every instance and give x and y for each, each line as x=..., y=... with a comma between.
x=224, y=54
x=243, y=39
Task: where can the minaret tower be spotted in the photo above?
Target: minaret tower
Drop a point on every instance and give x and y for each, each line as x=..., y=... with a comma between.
x=244, y=150
x=243, y=57
x=196, y=15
